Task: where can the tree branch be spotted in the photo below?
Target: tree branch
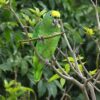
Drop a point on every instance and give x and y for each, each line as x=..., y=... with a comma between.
x=96, y=13
x=70, y=48
x=42, y=37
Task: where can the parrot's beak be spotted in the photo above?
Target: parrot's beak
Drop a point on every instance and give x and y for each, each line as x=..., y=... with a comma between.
x=56, y=22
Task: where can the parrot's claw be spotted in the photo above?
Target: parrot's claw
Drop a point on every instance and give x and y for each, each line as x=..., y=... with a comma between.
x=46, y=61
x=41, y=38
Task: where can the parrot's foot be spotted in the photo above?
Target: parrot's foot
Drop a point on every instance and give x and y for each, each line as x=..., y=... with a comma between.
x=47, y=61
x=41, y=38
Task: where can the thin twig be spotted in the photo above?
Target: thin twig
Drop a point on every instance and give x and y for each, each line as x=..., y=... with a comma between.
x=98, y=77
x=86, y=71
x=16, y=16
x=70, y=48
x=68, y=78
x=58, y=65
x=97, y=89
x=96, y=13
x=85, y=93
x=71, y=65
x=70, y=87
x=65, y=96
x=91, y=78
x=24, y=28
x=92, y=92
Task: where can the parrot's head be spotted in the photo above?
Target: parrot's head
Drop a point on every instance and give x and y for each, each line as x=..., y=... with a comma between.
x=54, y=17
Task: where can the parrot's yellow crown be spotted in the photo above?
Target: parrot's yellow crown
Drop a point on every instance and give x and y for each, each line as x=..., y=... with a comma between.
x=55, y=13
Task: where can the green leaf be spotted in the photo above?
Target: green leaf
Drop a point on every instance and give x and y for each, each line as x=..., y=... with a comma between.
x=58, y=85
x=54, y=77
x=26, y=89
x=6, y=84
x=77, y=38
x=30, y=35
x=89, y=31
x=41, y=88
x=42, y=4
x=52, y=89
x=3, y=2
x=43, y=12
x=93, y=72
x=98, y=96
x=36, y=11
x=7, y=34
x=80, y=97
x=52, y=3
x=62, y=82
x=71, y=59
x=67, y=68
x=68, y=26
x=2, y=98
x=30, y=77
x=24, y=67
x=15, y=89
x=5, y=67
x=80, y=67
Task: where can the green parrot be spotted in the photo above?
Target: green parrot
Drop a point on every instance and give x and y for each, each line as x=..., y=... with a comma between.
x=45, y=48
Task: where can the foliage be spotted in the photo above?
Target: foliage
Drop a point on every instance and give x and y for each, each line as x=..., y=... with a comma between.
x=15, y=90
x=18, y=19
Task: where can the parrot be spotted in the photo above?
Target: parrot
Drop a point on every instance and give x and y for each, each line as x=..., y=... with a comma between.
x=49, y=25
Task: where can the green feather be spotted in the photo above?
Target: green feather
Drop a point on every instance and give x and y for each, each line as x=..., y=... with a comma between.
x=47, y=47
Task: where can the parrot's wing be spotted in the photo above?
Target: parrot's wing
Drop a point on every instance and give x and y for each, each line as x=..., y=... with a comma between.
x=47, y=47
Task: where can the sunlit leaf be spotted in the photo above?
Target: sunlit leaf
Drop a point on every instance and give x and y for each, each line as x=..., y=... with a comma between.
x=93, y=72
x=89, y=31
x=67, y=68
x=54, y=77
x=2, y=98
x=62, y=82
x=80, y=67
x=71, y=59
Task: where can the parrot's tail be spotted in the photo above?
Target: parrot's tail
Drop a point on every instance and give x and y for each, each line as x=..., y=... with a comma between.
x=38, y=68
x=37, y=75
